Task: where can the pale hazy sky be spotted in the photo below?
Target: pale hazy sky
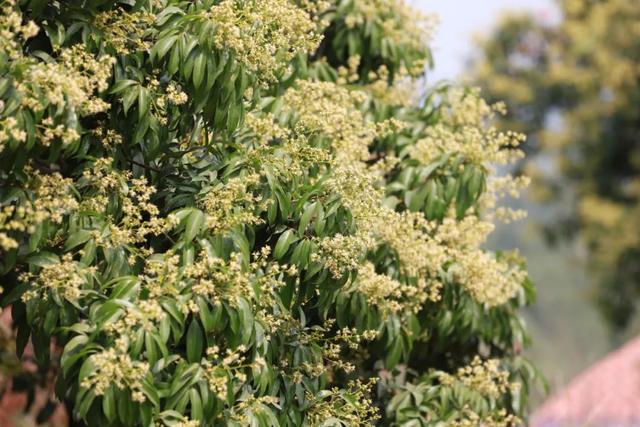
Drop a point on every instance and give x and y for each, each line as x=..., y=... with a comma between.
x=461, y=19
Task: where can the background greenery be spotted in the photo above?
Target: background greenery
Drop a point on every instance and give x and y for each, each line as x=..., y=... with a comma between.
x=573, y=88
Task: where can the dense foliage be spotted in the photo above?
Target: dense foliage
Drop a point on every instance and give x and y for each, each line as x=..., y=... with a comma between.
x=236, y=213
x=574, y=88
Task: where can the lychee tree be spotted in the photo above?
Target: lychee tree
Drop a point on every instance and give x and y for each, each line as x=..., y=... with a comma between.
x=249, y=212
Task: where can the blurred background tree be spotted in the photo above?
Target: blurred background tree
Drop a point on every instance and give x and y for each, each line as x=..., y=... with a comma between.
x=573, y=88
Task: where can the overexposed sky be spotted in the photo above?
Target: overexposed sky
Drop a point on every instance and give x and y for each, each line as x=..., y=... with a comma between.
x=461, y=19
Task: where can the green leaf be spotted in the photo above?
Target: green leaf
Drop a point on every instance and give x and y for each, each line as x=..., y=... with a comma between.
x=283, y=243
x=196, y=405
x=195, y=342
x=121, y=85
x=208, y=321
x=83, y=403
x=42, y=259
x=77, y=238
x=194, y=223
x=144, y=102
x=109, y=405
x=394, y=353
x=129, y=98
x=199, y=68
x=246, y=320
x=161, y=48
x=14, y=295
x=308, y=213
x=150, y=391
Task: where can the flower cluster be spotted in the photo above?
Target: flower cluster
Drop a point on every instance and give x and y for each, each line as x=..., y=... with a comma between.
x=145, y=315
x=344, y=253
x=484, y=377
x=61, y=280
x=231, y=204
x=12, y=30
x=218, y=367
x=51, y=201
x=333, y=115
x=463, y=132
x=489, y=280
x=135, y=217
x=124, y=31
x=283, y=152
x=263, y=35
x=73, y=80
x=399, y=23
x=352, y=406
x=470, y=418
x=113, y=368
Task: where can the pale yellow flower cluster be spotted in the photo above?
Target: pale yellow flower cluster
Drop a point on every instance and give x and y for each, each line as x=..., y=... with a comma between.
x=499, y=187
x=400, y=23
x=329, y=110
x=124, y=30
x=216, y=369
x=355, y=410
x=172, y=95
x=409, y=234
x=108, y=137
x=463, y=132
x=48, y=131
x=489, y=280
x=73, y=80
x=490, y=381
x=469, y=418
x=113, y=368
x=344, y=253
x=9, y=129
x=380, y=289
x=349, y=74
x=162, y=276
x=145, y=314
x=264, y=35
x=52, y=199
x=12, y=32
x=419, y=254
x=461, y=235
x=214, y=278
x=485, y=377
x=232, y=204
x=62, y=280
x=400, y=92
x=281, y=151
x=175, y=95
x=139, y=216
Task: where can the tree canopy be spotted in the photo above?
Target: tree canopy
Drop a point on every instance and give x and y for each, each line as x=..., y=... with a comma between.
x=247, y=212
